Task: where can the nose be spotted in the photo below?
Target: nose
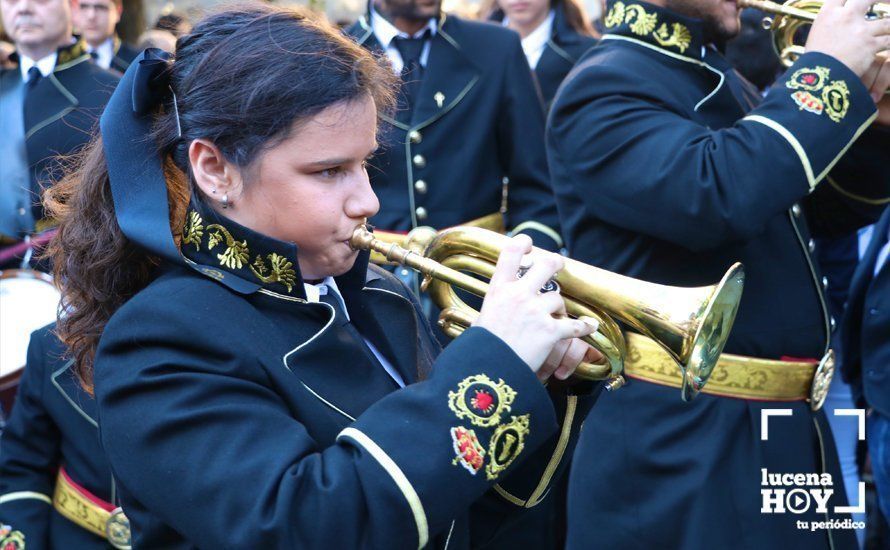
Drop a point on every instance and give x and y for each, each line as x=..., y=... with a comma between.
x=362, y=202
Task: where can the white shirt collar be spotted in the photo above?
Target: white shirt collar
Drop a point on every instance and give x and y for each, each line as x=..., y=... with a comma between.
x=533, y=44
x=44, y=65
x=386, y=31
x=104, y=52
x=314, y=292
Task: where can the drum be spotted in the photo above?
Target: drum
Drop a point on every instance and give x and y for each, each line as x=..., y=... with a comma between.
x=28, y=301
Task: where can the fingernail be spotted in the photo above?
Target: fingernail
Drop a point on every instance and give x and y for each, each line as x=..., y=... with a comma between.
x=876, y=97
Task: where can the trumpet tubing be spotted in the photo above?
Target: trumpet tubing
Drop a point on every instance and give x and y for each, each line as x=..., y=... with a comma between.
x=692, y=324
x=789, y=17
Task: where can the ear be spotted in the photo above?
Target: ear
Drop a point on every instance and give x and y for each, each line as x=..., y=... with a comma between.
x=214, y=175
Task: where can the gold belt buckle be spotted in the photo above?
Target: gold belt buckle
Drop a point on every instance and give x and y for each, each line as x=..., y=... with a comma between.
x=822, y=380
x=117, y=528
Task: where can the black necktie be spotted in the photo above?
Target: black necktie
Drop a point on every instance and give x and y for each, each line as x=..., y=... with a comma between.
x=34, y=76
x=94, y=56
x=376, y=380
x=411, y=50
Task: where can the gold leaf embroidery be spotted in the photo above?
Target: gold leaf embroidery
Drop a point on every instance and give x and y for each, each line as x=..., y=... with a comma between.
x=680, y=37
x=282, y=270
x=194, y=230
x=615, y=15
x=643, y=23
x=236, y=253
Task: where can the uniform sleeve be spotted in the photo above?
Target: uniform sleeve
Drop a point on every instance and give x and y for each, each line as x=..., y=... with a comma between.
x=531, y=207
x=857, y=189
x=187, y=420
x=532, y=481
x=29, y=454
x=643, y=167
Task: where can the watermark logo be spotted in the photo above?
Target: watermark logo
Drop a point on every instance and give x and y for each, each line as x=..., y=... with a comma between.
x=798, y=493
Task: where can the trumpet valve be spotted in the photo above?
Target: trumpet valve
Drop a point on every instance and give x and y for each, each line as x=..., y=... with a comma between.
x=615, y=382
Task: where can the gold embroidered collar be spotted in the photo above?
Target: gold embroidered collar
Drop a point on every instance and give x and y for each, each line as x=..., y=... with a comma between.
x=655, y=25
x=233, y=254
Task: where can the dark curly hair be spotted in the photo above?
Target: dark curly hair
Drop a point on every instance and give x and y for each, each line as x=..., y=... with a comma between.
x=243, y=79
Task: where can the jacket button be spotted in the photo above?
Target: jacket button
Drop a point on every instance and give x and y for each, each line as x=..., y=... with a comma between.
x=873, y=311
x=415, y=137
x=833, y=323
x=811, y=245
x=420, y=186
x=419, y=161
x=796, y=210
x=21, y=211
x=825, y=283
x=420, y=212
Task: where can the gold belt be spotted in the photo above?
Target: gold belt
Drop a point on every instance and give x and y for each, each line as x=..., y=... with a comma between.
x=736, y=375
x=90, y=512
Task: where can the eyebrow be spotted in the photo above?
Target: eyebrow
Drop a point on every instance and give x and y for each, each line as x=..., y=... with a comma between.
x=339, y=160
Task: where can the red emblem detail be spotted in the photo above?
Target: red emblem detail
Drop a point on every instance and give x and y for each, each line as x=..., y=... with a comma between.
x=809, y=79
x=483, y=401
x=470, y=453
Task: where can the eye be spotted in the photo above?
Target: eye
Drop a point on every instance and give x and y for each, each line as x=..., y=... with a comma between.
x=331, y=172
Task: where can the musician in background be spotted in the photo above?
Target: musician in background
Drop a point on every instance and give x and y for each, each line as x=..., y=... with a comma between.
x=669, y=167
x=56, y=488
x=554, y=36
x=96, y=21
x=48, y=103
x=467, y=141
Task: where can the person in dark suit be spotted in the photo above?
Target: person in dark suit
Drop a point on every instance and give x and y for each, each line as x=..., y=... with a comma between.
x=96, y=21
x=49, y=103
x=467, y=141
x=865, y=341
x=669, y=167
x=52, y=467
x=257, y=383
x=554, y=36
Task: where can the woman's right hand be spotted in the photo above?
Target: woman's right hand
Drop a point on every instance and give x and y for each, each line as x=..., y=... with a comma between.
x=517, y=312
x=842, y=31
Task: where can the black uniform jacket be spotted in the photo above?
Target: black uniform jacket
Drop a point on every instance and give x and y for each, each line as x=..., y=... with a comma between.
x=124, y=54
x=668, y=167
x=61, y=112
x=564, y=48
x=865, y=332
x=478, y=123
x=53, y=424
x=235, y=415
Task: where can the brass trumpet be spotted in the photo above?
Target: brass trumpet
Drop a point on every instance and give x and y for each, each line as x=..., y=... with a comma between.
x=691, y=324
x=789, y=17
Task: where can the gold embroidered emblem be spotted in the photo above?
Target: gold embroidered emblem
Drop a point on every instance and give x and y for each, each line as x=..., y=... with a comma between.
x=822, y=381
x=281, y=271
x=808, y=102
x=10, y=539
x=194, y=230
x=470, y=453
x=481, y=401
x=71, y=53
x=236, y=253
x=641, y=23
x=811, y=79
x=680, y=37
x=836, y=97
x=615, y=16
x=506, y=444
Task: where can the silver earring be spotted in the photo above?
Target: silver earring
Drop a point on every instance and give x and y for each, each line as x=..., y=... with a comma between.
x=213, y=190
x=225, y=201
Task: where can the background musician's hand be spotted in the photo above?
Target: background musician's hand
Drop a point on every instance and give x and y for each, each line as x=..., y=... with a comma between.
x=842, y=31
x=877, y=78
x=516, y=312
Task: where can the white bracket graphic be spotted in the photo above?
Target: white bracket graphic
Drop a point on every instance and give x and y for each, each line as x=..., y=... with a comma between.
x=859, y=508
x=854, y=412
x=764, y=420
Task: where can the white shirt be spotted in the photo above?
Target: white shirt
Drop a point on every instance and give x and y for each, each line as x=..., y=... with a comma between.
x=313, y=294
x=44, y=65
x=881, y=260
x=104, y=53
x=533, y=45
x=385, y=31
